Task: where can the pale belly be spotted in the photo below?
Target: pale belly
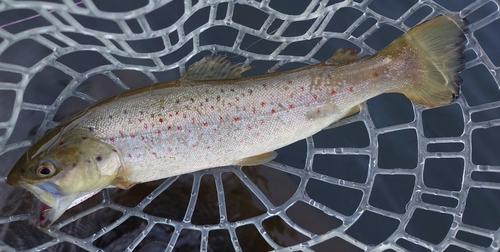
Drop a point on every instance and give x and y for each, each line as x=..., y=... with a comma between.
x=172, y=131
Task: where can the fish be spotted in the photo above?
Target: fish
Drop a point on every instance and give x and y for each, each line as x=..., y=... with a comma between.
x=213, y=117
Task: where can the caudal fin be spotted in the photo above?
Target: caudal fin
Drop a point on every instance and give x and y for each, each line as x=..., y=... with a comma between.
x=439, y=46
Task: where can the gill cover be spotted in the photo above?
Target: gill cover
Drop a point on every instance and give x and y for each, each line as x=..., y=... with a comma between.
x=63, y=166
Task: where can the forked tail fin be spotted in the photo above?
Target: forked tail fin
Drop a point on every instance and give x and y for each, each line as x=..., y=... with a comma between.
x=439, y=46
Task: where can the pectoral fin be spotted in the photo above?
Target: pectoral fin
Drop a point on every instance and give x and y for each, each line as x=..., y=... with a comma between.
x=123, y=183
x=259, y=159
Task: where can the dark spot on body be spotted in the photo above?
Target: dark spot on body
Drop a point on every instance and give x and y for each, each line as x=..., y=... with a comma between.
x=91, y=129
x=98, y=158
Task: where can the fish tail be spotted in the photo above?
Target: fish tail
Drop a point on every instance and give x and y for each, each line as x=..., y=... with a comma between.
x=439, y=46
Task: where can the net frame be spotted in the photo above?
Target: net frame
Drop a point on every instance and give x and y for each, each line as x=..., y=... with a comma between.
x=319, y=11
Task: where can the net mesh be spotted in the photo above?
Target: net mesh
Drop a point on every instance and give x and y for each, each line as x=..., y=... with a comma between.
x=395, y=176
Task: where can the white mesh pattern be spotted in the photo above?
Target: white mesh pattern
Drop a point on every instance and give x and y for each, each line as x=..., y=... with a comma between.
x=73, y=51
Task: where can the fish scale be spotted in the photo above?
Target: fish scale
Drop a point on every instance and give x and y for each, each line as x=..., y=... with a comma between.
x=213, y=117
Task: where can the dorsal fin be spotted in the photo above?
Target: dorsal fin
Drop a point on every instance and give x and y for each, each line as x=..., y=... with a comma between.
x=215, y=68
x=342, y=56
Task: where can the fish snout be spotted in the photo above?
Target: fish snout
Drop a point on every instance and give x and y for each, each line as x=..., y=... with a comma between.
x=15, y=176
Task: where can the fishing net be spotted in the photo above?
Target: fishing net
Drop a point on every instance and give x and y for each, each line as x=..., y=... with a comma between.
x=394, y=177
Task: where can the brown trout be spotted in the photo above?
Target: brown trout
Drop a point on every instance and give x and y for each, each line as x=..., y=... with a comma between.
x=212, y=117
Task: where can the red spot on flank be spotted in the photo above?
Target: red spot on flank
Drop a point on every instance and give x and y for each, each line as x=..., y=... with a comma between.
x=141, y=112
x=236, y=118
x=350, y=89
x=162, y=108
x=186, y=107
x=145, y=125
x=237, y=99
x=218, y=98
x=332, y=92
x=261, y=121
x=229, y=104
x=177, y=101
x=169, y=149
x=142, y=138
x=301, y=88
x=112, y=139
x=254, y=110
x=244, y=108
x=169, y=127
x=128, y=155
x=315, y=97
x=192, y=100
x=318, y=111
x=158, y=131
x=249, y=127
x=179, y=127
x=208, y=147
x=121, y=133
x=140, y=120
x=110, y=117
x=258, y=133
x=290, y=106
x=152, y=115
x=262, y=104
x=170, y=115
x=161, y=120
x=152, y=125
x=250, y=91
x=132, y=135
x=273, y=111
x=124, y=111
x=201, y=104
x=375, y=75
x=206, y=99
x=154, y=154
x=184, y=115
x=212, y=107
x=220, y=118
x=176, y=112
x=192, y=119
x=205, y=123
x=232, y=90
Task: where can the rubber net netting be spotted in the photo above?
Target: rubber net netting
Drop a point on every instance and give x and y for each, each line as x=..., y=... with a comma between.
x=394, y=177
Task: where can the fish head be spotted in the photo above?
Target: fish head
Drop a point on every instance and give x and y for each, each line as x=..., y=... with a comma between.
x=63, y=167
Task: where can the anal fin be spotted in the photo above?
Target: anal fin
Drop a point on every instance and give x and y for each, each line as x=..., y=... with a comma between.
x=258, y=159
x=352, y=111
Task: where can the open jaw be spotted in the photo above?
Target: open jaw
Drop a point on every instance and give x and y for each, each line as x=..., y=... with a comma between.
x=52, y=202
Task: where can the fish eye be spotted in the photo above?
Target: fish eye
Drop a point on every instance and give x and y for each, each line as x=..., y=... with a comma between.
x=45, y=169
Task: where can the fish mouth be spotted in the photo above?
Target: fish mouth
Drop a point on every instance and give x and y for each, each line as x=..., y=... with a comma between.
x=52, y=202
